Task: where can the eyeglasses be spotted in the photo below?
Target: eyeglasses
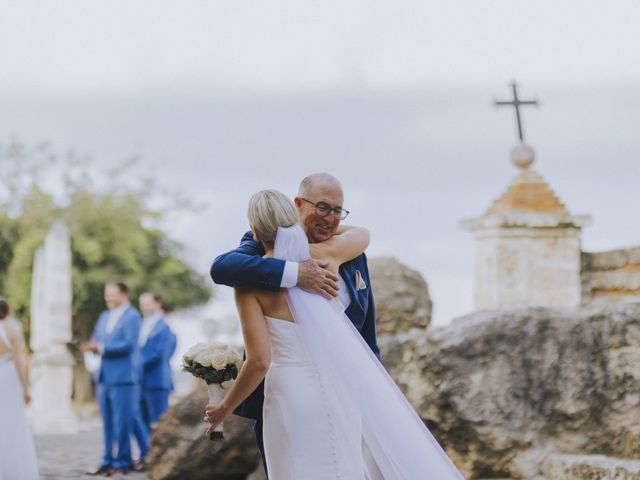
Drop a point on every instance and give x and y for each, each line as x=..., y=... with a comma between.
x=323, y=209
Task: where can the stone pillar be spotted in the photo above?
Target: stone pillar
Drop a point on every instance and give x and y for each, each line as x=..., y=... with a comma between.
x=527, y=266
x=52, y=363
x=528, y=245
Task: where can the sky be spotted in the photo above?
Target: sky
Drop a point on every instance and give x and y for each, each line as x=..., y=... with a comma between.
x=221, y=99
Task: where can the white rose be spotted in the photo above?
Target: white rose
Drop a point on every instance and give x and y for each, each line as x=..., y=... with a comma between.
x=219, y=360
x=235, y=358
x=219, y=347
x=203, y=357
x=193, y=351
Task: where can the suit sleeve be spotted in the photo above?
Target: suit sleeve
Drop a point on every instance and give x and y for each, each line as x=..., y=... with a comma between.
x=126, y=343
x=368, y=331
x=245, y=266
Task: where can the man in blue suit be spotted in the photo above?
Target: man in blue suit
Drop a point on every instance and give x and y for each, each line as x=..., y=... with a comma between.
x=158, y=343
x=115, y=338
x=173, y=343
x=320, y=203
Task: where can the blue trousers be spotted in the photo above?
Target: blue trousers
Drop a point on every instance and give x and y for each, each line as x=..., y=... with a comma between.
x=140, y=428
x=154, y=404
x=116, y=409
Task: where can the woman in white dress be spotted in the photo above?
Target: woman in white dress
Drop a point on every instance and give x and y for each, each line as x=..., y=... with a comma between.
x=17, y=453
x=331, y=411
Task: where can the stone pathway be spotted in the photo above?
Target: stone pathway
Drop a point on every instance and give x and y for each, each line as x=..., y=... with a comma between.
x=67, y=457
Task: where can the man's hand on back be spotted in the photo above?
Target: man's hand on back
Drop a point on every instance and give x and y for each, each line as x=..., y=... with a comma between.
x=313, y=276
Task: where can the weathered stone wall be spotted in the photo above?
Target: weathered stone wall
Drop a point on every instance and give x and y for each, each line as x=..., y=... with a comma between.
x=610, y=277
x=502, y=391
x=526, y=266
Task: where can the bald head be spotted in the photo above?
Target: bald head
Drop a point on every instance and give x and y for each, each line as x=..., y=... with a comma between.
x=324, y=190
x=315, y=180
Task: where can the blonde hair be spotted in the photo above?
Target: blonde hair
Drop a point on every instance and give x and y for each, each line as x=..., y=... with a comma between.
x=268, y=210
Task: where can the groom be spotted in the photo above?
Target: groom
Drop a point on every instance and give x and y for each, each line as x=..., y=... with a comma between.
x=115, y=338
x=319, y=201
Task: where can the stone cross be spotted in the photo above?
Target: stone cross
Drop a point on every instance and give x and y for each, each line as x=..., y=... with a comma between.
x=516, y=102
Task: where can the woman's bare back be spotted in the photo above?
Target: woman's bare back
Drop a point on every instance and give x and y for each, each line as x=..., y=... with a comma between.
x=274, y=304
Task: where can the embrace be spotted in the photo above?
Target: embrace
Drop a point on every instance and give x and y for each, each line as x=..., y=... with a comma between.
x=323, y=404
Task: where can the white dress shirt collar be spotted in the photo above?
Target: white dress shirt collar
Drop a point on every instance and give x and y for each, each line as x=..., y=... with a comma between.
x=115, y=315
x=148, y=324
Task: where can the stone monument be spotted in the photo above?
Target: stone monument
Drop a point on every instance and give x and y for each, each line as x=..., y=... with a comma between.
x=528, y=245
x=52, y=363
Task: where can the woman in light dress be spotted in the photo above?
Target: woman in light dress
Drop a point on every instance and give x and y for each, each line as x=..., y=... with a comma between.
x=331, y=411
x=17, y=453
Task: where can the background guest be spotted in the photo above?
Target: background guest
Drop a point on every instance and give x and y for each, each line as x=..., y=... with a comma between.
x=115, y=338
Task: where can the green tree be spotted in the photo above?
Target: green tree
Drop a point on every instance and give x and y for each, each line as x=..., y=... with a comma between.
x=115, y=235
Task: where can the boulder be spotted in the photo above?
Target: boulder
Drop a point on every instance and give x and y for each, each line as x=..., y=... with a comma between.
x=180, y=450
x=591, y=467
x=401, y=294
x=502, y=391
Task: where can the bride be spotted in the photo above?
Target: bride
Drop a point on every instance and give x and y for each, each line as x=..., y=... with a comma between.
x=17, y=453
x=331, y=411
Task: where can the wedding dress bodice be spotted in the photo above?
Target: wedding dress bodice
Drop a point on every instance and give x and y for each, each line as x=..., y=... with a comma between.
x=286, y=348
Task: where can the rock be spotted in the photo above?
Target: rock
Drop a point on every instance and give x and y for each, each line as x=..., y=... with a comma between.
x=591, y=467
x=632, y=442
x=402, y=296
x=179, y=449
x=501, y=391
x=259, y=474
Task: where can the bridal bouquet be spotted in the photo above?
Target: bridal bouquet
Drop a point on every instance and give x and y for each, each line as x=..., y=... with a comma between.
x=215, y=363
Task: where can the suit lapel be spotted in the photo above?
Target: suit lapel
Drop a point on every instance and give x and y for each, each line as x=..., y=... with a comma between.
x=154, y=331
x=347, y=273
x=156, y=328
x=118, y=323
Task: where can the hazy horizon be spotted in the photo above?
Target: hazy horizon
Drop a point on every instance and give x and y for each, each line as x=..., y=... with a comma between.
x=413, y=162
x=221, y=99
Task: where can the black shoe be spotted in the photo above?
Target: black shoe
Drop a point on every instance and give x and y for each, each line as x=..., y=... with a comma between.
x=138, y=466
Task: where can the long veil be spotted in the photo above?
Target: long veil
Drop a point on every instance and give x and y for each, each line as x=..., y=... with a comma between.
x=396, y=442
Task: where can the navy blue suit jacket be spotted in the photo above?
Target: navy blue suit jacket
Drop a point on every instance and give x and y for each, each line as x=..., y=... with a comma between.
x=156, y=353
x=245, y=266
x=121, y=355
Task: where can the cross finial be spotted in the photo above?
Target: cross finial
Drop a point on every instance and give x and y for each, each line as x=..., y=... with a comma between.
x=516, y=102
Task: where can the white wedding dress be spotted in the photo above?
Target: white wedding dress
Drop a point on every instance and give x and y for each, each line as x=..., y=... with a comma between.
x=17, y=453
x=331, y=411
